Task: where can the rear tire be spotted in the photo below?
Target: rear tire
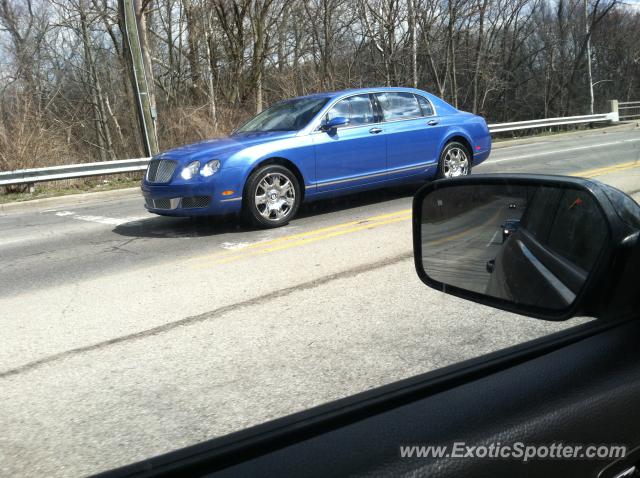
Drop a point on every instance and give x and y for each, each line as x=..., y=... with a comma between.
x=455, y=161
x=271, y=196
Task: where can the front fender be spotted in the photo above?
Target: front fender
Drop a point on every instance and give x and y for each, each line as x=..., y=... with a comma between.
x=297, y=150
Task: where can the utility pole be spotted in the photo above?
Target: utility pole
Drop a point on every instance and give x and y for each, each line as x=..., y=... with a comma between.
x=414, y=43
x=588, y=38
x=145, y=108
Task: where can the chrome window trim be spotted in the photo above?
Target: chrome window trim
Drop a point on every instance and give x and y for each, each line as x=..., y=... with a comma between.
x=314, y=129
x=343, y=128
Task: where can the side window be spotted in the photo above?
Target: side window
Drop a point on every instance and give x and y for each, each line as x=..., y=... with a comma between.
x=341, y=108
x=397, y=106
x=578, y=229
x=361, y=110
x=358, y=109
x=425, y=106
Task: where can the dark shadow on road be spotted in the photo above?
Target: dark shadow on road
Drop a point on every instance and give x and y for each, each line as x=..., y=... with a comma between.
x=176, y=227
x=343, y=203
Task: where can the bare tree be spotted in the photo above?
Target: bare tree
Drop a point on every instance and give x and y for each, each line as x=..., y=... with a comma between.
x=65, y=92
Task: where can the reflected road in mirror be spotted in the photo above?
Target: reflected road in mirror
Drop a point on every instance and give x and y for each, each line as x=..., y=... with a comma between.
x=462, y=230
x=496, y=239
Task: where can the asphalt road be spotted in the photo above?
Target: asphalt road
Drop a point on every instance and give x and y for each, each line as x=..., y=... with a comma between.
x=127, y=335
x=456, y=250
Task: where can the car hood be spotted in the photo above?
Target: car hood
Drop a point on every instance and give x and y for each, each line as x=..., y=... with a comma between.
x=222, y=148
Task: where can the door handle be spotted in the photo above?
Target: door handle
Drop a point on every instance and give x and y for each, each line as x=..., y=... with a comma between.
x=375, y=130
x=433, y=122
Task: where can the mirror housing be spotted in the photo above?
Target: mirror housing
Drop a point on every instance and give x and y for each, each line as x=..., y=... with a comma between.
x=445, y=211
x=334, y=123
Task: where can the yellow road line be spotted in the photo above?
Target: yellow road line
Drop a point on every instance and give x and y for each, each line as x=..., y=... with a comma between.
x=306, y=240
x=590, y=173
x=313, y=232
x=308, y=237
x=298, y=239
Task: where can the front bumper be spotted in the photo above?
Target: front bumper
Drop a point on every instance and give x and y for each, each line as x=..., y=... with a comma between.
x=200, y=197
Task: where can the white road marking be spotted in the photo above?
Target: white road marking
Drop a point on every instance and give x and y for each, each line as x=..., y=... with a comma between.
x=565, y=150
x=521, y=145
x=52, y=234
x=110, y=221
x=235, y=245
x=9, y=242
x=492, y=238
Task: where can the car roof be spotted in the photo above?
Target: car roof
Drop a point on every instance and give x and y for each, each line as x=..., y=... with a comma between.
x=351, y=91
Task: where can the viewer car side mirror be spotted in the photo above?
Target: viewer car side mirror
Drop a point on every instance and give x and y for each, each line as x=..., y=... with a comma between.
x=334, y=123
x=573, y=248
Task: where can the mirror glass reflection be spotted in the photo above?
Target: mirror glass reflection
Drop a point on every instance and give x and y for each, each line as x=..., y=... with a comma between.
x=531, y=245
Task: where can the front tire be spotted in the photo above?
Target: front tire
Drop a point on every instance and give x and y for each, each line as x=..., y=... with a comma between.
x=272, y=196
x=455, y=161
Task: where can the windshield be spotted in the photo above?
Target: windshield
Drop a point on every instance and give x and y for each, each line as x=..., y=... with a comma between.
x=290, y=115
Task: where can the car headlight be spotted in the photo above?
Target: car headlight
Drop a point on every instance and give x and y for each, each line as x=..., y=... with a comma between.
x=190, y=170
x=210, y=168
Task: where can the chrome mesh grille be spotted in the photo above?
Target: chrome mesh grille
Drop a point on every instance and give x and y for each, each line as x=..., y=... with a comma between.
x=162, y=203
x=193, y=202
x=196, y=201
x=161, y=170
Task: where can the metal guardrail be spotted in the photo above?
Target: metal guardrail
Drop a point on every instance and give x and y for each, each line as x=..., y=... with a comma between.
x=72, y=171
x=623, y=106
x=544, y=123
x=83, y=170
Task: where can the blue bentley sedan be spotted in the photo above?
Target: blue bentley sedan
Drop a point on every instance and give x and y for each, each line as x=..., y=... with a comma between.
x=314, y=147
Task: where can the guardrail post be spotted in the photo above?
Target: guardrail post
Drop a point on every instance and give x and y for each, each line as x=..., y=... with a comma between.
x=613, y=108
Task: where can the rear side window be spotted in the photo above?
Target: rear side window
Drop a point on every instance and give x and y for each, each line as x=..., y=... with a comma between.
x=397, y=106
x=358, y=109
x=425, y=106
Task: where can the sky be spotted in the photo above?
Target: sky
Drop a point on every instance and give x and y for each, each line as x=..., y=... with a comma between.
x=634, y=4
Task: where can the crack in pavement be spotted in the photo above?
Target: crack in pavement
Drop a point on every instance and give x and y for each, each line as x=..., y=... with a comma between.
x=121, y=247
x=194, y=319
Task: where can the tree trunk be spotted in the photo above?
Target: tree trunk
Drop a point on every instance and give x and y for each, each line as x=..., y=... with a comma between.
x=414, y=43
x=476, y=71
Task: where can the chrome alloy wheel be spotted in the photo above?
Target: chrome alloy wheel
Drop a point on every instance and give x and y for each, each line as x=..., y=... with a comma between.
x=275, y=196
x=456, y=163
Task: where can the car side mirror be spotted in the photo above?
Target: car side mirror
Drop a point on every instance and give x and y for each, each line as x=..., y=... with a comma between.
x=335, y=123
x=573, y=244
